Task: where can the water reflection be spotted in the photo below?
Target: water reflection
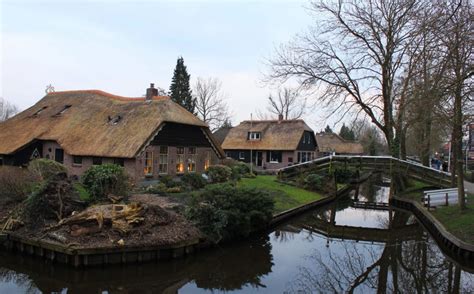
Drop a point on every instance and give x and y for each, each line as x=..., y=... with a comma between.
x=338, y=248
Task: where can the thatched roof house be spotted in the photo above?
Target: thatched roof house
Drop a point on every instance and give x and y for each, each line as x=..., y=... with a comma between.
x=329, y=143
x=274, y=143
x=93, y=123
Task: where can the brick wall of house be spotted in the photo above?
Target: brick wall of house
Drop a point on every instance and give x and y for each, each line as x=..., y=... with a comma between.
x=135, y=168
x=200, y=160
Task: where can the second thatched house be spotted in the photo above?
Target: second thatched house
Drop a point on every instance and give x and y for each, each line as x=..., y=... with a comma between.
x=149, y=136
x=270, y=144
x=333, y=144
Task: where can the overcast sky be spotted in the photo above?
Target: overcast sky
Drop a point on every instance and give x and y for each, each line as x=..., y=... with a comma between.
x=120, y=47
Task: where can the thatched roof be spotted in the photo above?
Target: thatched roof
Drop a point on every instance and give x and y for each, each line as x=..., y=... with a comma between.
x=221, y=133
x=87, y=127
x=276, y=135
x=330, y=142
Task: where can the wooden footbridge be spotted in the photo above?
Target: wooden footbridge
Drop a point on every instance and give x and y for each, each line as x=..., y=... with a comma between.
x=385, y=164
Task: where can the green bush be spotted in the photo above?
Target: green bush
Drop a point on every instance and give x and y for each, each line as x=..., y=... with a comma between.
x=102, y=180
x=173, y=190
x=219, y=173
x=343, y=175
x=168, y=181
x=241, y=168
x=226, y=212
x=159, y=188
x=193, y=180
x=313, y=182
x=15, y=183
x=45, y=169
x=82, y=191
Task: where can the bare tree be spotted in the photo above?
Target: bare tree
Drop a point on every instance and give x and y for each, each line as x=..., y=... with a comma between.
x=458, y=43
x=288, y=103
x=7, y=109
x=210, y=102
x=354, y=56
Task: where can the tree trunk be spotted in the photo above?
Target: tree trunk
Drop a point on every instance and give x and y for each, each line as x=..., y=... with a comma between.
x=458, y=156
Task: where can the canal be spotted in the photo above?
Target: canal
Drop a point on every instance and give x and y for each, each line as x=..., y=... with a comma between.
x=339, y=248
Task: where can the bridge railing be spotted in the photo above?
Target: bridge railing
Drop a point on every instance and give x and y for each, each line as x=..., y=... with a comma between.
x=385, y=163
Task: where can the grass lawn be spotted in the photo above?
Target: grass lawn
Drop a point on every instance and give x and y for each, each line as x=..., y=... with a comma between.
x=285, y=196
x=459, y=223
x=415, y=190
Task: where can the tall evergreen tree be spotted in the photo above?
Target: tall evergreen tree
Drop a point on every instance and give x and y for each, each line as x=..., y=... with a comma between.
x=328, y=129
x=346, y=133
x=180, y=90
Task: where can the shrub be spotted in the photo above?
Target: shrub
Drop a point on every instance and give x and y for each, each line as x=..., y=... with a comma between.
x=173, y=190
x=344, y=175
x=45, y=169
x=15, y=183
x=102, y=180
x=193, y=180
x=226, y=212
x=159, y=188
x=241, y=168
x=168, y=181
x=313, y=182
x=82, y=191
x=219, y=173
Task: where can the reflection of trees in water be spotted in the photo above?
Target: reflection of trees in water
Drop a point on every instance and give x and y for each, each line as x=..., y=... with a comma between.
x=227, y=268
x=24, y=281
x=415, y=266
x=232, y=268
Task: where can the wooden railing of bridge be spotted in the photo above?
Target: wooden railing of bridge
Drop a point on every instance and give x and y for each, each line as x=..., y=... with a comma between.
x=385, y=164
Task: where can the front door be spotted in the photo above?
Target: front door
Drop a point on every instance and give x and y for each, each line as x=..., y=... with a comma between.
x=258, y=160
x=59, y=155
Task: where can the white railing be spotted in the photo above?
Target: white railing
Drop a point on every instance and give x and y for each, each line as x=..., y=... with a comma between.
x=433, y=198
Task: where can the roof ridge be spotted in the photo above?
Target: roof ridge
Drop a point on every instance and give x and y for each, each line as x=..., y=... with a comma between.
x=108, y=95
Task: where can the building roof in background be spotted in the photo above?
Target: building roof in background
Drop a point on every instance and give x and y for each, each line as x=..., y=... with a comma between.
x=331, y=142
x=221, y=133
x=275, y=135
x=95, y=123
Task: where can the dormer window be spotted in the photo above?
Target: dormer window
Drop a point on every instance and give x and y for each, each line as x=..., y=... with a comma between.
x=65, y=108
x=113, y=120
x=254, y=135
x=40, y=110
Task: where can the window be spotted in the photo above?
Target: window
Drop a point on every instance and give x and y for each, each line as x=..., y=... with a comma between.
x=275, y=156
x=65, y=108
x=192, y=150
x=113, y=120
x=96, y=160
x=180, y=159
x=192, y=163
x=163, y=164
x=77, y=160
x=119, y=161
x=307, y=138
x=207, y=161
x=148, y=169
x=290, y=159
x=254, y=136
x=305, y=156
x=1, y=161
x=242, y=155
x=40, y=110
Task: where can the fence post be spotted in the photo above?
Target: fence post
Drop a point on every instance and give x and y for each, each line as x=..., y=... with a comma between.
x=447, y=203
x=429, y=196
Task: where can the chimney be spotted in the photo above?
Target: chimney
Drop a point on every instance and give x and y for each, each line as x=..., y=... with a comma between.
x=150, y=92
x=280, y=117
